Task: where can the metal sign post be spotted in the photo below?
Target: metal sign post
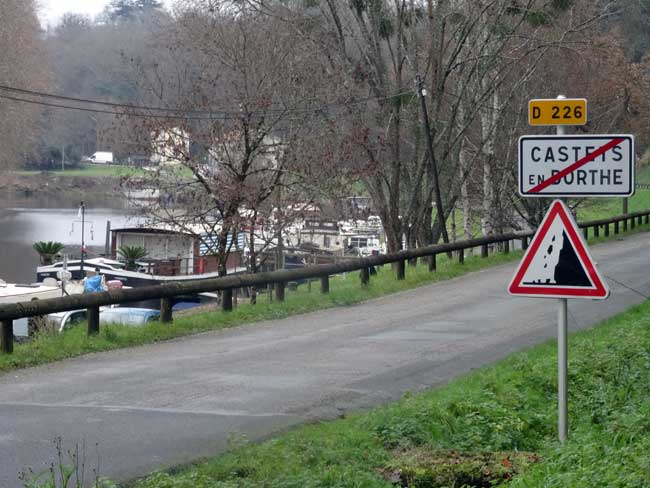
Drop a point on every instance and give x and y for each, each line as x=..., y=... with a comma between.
x=562, y=346
x=562, y=366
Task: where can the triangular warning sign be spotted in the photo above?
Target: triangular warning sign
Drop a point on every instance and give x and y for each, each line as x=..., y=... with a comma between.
x=557, y=263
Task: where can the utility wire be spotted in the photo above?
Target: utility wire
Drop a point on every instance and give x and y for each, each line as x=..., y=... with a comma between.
x=96, y=102
x=93, y=110
x=110, y=112
x=176, y=112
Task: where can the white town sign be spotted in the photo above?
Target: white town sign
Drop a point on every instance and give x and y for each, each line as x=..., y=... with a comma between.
x=598, y=165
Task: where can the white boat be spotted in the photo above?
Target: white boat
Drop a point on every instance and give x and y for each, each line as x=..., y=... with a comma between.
x=74, y=267
x=114, y=270
x=14, y=292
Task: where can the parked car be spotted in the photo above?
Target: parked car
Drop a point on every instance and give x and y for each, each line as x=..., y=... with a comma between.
x=118, y=315
x=128, y=316
x=64, y=320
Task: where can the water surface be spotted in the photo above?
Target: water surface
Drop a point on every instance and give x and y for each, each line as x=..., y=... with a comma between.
x=26, y=220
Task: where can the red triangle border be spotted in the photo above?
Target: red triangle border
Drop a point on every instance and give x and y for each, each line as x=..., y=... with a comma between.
x=600, y=289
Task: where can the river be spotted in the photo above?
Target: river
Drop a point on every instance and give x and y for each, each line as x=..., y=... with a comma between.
x=26, y=220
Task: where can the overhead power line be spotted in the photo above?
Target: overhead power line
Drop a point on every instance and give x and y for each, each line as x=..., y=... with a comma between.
x=101, y=111
x=88, y=105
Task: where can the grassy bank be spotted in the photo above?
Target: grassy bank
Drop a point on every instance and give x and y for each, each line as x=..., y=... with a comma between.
x=90, y=171
x=495, y=427
x=344, y=290
x=599, y=208
x=105, y=170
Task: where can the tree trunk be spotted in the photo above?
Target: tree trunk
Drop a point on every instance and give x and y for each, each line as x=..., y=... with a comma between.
x=252, y=259
x=489, y=118
x=464, y=192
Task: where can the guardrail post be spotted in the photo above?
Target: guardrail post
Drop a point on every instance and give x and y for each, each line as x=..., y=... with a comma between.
x=585, y=232
x=401, y=269
x=499, y=243
x=166, y=310
x=279, y=291
x=325, y=284
x=93, y=320
x=7, y=337
x=624, y=225
x=431, y=262
x=484, y=251
x=226, y=300
x=413, y=262
x=365, y=276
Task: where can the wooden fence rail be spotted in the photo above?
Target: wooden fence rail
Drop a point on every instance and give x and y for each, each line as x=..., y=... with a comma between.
x=279, y=279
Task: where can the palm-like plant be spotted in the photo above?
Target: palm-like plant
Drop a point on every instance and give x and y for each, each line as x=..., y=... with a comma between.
x=47, y=251
x=131, y=254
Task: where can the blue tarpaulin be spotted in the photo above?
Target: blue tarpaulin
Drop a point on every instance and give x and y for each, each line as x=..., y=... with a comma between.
x=92, y=284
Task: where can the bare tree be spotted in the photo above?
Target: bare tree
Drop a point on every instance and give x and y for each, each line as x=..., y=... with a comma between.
x=472, y=55
x=23, y=63
x=243, y=104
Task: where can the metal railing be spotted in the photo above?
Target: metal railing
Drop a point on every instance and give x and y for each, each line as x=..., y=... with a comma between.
x=279, y=279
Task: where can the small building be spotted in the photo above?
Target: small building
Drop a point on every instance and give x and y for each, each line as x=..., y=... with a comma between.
x=322, y=234
x=171, y=252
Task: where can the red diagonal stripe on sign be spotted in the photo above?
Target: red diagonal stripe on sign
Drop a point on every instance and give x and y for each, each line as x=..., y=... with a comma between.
x=578, y=164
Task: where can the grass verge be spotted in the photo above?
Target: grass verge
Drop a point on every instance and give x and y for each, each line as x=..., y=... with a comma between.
x=494, y=427
x=344, y=290
x=599, y=208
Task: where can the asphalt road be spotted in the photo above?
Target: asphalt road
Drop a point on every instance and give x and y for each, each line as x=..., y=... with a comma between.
x=170, y=403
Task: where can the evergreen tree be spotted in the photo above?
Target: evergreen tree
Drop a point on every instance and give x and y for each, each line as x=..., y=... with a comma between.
x=128, y=10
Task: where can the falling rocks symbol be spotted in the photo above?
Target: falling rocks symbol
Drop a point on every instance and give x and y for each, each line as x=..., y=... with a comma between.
x=567, y=269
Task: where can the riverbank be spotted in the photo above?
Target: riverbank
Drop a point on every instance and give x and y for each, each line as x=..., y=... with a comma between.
x=50, y=184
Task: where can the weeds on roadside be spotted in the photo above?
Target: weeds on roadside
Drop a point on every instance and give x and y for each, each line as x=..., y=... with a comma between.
x=68, y=470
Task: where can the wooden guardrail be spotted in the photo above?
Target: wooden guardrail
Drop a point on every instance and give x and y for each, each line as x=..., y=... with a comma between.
x=279, y=279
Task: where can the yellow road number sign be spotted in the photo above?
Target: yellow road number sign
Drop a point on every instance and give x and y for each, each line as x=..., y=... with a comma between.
x=554, y=111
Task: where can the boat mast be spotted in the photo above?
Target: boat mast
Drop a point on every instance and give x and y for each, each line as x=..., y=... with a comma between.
x=83, y=215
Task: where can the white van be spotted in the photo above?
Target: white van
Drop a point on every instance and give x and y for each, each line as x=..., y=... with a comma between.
x=101, y=157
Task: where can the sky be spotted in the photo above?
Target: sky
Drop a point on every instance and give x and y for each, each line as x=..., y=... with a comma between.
x=51, y=11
